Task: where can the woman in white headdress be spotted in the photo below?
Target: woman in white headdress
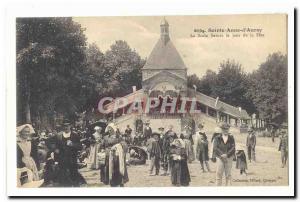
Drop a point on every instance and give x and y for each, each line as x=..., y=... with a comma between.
x=93, y=162
x=27, y=156
x=180, y=175
x=114, y=172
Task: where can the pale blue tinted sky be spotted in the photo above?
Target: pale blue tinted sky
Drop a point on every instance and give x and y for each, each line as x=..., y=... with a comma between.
x=199, y=54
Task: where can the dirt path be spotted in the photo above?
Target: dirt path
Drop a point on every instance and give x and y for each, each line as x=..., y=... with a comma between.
x=266, y=171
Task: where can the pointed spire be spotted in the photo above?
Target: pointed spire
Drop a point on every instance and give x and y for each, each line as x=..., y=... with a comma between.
x=164, y=31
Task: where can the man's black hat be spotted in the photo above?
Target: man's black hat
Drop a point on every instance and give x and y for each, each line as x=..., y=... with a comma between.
x=66, y=122
x=155, y=134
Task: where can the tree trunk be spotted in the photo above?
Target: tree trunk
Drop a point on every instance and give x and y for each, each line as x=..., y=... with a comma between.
x=44, y=120
x=27, y=112
x=27, y=104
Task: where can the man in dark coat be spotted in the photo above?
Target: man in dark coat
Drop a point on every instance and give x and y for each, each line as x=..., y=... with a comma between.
x=147, y=132
x=273, y=130
x=155, y=154
x=224, y=152
x=161, y=136
x=202, y=152
x=250, y=144
x=127, y=134
x=283, y=145
x=68, y=144
x=166, y=141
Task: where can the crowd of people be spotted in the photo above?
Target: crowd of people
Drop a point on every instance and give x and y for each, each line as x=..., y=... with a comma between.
x=53, y=159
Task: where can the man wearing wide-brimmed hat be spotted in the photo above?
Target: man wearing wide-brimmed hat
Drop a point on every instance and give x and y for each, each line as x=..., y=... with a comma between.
x=251, y=143
x=202, y=152
x=161, y=131
x=283, y=145
x=147, y=131
x=68, y=145
x=127, y=134
x=168, y=138
x=154, y=154
x=224, y=152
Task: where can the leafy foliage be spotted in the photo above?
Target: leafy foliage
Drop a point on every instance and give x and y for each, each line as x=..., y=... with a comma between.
x=263, y=92
x=50, y=63
x=229, y=84
x=268, y=88
x=122, y=69
x=57, y=72
x=206, y=84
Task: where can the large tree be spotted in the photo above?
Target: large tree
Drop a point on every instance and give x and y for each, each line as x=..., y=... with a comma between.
x=268, y=88
x=204, y=85
x=230, y=85
x=50, y=64
x=111, y=74
x=122, y=69
x=94, y=80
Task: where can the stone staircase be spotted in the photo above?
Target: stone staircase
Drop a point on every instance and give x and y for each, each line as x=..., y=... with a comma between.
x=157, y=123
x=124, y=120
x=209, y=123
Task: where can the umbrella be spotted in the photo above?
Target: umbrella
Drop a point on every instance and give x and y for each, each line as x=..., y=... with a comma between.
x=101, y=123
x=139, y=150
x=275, y=125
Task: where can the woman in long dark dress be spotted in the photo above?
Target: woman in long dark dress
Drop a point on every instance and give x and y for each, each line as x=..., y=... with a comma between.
x=180, y=175
x=241, y=161
x=114, y=171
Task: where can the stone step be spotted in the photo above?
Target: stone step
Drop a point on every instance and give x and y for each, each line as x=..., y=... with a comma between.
x=209, y=123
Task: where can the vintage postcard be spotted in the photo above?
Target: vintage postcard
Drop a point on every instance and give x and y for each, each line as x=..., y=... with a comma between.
x=179, y=102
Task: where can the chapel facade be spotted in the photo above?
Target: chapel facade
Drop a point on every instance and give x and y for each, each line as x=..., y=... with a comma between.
x=164, y=76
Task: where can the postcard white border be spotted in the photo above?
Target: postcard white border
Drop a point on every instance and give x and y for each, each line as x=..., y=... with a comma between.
x=138, y=8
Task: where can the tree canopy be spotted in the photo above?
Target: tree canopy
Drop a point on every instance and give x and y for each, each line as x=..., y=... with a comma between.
x=122, y=69
x=229, y=84
x=263, y=91
x=268, y=88
x=50, y=64
x=57, y=72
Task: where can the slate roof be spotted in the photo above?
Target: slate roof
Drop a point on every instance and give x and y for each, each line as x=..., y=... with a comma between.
x=164, y=56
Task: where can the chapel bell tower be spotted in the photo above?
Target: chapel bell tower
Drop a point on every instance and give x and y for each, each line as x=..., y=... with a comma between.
x=164, y=31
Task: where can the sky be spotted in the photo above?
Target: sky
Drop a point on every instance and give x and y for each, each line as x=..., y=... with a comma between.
x=198, y=53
